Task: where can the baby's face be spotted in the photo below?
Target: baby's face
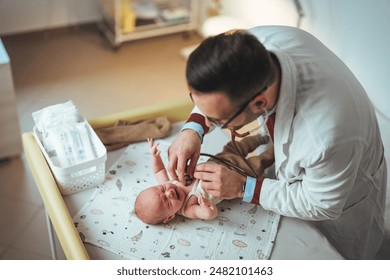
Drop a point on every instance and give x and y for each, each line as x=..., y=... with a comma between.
x=163, y=200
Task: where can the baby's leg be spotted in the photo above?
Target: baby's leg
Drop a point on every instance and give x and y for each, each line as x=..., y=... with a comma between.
x=246, y=145
x=262, y=161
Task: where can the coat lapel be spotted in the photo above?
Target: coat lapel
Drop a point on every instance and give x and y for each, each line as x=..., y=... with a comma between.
x=285, y=108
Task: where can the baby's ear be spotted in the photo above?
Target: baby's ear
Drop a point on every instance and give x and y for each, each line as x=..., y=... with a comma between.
x=166, y=220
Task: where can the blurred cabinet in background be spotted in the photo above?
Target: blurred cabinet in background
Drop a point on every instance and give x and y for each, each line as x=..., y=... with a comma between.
x=126, y=20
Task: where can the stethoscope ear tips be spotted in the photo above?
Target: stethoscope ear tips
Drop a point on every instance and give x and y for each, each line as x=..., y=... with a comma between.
x=259, y=103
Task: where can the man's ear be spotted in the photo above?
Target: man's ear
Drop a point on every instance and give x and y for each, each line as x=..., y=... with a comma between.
x=166, y=220
x=259, y=103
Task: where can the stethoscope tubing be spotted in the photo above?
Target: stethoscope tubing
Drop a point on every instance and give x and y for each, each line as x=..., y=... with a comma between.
x=227, y=163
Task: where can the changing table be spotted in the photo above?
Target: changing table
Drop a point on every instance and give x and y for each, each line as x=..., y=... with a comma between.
x=296, y=239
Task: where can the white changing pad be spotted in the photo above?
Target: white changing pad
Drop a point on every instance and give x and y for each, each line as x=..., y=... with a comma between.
x=241, y=230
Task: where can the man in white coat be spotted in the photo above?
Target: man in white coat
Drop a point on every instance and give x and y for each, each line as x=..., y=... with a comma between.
x=329, y=157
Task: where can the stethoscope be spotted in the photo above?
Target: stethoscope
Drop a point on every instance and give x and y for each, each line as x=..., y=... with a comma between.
x=238, y=169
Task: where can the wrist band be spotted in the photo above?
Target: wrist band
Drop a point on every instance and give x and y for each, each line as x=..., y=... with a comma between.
x=249, y=189
x=195, y=127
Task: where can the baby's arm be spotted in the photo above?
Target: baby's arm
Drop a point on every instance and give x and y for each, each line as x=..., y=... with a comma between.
x=158, y=166
x=205, y=210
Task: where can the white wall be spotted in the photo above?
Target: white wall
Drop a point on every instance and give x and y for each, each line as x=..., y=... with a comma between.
x=261, y=12
x=358, y=31
x=29, y=15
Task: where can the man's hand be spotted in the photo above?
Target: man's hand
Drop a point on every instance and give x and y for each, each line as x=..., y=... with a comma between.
x=186, y=147
x=219, y=180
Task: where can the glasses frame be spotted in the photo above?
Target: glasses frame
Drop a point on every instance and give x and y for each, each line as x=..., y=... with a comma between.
x=235, y=115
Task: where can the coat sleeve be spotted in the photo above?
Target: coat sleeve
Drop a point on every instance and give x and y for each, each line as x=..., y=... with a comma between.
x=319, y=189
x=197, y=121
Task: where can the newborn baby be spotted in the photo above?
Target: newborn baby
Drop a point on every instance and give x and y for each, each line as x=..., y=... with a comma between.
x=161, y=203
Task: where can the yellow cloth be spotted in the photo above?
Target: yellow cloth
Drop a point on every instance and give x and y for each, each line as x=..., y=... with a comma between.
x=124, y=133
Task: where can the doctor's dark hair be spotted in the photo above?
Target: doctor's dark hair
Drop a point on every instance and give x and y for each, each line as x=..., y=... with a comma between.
x=235, y=63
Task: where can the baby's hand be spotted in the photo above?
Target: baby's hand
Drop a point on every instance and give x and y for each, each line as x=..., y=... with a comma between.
x=204, y=202
x=153, y=147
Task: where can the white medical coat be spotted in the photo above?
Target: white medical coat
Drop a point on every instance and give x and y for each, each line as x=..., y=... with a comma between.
x=329, y=157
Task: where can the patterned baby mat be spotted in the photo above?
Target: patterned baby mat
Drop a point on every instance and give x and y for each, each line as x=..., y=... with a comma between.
x=241, y=230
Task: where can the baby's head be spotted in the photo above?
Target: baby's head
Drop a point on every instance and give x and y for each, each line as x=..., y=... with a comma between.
x=159, y=204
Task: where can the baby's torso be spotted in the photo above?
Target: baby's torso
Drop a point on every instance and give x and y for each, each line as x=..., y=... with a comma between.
x=192, y=197
x=197, y=190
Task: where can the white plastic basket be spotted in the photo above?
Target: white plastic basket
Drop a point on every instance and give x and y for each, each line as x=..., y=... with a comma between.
x=80, y=176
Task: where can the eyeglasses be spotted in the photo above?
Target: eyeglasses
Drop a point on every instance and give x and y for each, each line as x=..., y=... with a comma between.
x=243, y=107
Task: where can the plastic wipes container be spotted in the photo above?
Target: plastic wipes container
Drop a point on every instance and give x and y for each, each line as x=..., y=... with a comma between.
x=78, y=176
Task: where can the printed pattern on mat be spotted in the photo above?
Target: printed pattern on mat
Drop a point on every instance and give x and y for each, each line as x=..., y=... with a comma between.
x=241, y=230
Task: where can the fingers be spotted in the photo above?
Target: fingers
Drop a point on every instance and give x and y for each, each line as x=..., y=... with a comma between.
x=153, y=147
x=205, y=176
x=177, y=167
x=181, y=168
x=207, y=167
x=210, y=178
x=172, y=167
x=220, y=181
x=185, y=147
x=209, y=187
x=206, y=171
x=191, y=167
x=154, y=150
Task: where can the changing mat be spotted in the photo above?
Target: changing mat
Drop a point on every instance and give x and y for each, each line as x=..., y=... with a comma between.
x=241, y=230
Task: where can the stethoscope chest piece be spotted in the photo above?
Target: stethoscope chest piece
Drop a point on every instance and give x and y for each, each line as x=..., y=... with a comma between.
x=188, y=179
